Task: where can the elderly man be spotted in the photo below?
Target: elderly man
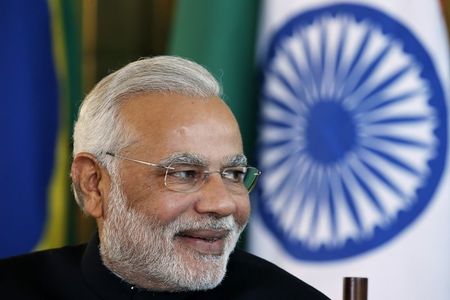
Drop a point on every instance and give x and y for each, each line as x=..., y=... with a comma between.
x=158, y=162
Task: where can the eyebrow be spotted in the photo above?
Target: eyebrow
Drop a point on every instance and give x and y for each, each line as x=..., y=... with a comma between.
x=184, y=158
x=236, y=161
x=196, y=159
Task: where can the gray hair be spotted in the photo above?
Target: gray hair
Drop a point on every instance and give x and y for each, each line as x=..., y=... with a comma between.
x=99, y=128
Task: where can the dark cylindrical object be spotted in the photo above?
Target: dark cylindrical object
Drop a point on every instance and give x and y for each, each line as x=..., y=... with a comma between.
x=355, y=288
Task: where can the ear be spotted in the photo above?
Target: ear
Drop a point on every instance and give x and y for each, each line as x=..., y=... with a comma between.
x=92, y=183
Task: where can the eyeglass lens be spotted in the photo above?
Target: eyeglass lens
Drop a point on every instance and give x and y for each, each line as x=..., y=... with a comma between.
x=188, y=178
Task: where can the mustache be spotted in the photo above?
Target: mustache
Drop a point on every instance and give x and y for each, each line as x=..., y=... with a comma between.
x=205, y=223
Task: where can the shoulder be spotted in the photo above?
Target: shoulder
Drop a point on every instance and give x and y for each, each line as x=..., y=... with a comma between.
x=41, y=259
x=39, y=271
x=261, y=279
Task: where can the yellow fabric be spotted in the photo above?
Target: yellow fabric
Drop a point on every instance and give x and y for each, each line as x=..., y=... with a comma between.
x=54, y=234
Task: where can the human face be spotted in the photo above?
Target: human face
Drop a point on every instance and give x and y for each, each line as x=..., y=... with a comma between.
x=168, y=125
x=142, y=252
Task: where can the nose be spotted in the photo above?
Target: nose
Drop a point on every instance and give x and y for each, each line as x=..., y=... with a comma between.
x=214, y=198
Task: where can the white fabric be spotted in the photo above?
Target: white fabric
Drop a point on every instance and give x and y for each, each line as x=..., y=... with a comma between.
x=415, y=264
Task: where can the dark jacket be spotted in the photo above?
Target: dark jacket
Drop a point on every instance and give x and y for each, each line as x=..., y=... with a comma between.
x=78, y=273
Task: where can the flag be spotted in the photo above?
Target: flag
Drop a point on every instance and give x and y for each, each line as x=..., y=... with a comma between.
x=353, y=145
x=220, y=36
x=35, y=152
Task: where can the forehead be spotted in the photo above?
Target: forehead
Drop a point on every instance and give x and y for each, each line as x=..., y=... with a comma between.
x=170, y=123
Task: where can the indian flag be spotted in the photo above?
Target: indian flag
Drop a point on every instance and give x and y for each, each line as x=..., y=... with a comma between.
x=353, y=145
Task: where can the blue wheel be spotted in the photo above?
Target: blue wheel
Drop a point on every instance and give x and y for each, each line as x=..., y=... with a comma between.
x=353, y=132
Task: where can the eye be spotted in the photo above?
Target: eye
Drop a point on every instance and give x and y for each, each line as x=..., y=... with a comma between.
x=235, y=174
x=185, y=172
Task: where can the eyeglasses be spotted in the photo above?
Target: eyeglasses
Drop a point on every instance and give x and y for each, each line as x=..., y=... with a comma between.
x=187, y=178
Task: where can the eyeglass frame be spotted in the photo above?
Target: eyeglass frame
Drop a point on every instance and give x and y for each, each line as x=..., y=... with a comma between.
x=205, y=173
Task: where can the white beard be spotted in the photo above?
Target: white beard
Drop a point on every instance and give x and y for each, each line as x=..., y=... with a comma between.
x=142, y=252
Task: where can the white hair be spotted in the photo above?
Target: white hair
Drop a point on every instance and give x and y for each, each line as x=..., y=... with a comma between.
x=99, y=128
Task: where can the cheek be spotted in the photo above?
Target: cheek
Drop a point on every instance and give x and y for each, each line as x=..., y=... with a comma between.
x=165, y=206
x=139, y=189
x=143, y=192
x=242, y=211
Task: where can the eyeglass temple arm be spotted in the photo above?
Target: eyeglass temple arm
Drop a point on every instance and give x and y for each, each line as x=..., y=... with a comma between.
x=137, y=160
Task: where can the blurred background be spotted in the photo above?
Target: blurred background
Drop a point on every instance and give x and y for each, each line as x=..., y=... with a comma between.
x=53, y=53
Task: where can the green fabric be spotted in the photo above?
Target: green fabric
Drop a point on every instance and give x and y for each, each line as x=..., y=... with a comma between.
x=220, y=35
x=72, y=20
x=71, y=11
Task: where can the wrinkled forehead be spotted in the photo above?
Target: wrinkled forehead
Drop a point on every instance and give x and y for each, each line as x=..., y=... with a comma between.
x=170, y=123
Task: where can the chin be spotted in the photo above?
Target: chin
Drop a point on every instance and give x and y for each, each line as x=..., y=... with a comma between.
x=198, y=271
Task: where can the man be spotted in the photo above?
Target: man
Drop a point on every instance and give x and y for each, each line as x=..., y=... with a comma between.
x=159, y=163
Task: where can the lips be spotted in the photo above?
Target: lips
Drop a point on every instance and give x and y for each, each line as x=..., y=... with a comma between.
x=208, y=242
